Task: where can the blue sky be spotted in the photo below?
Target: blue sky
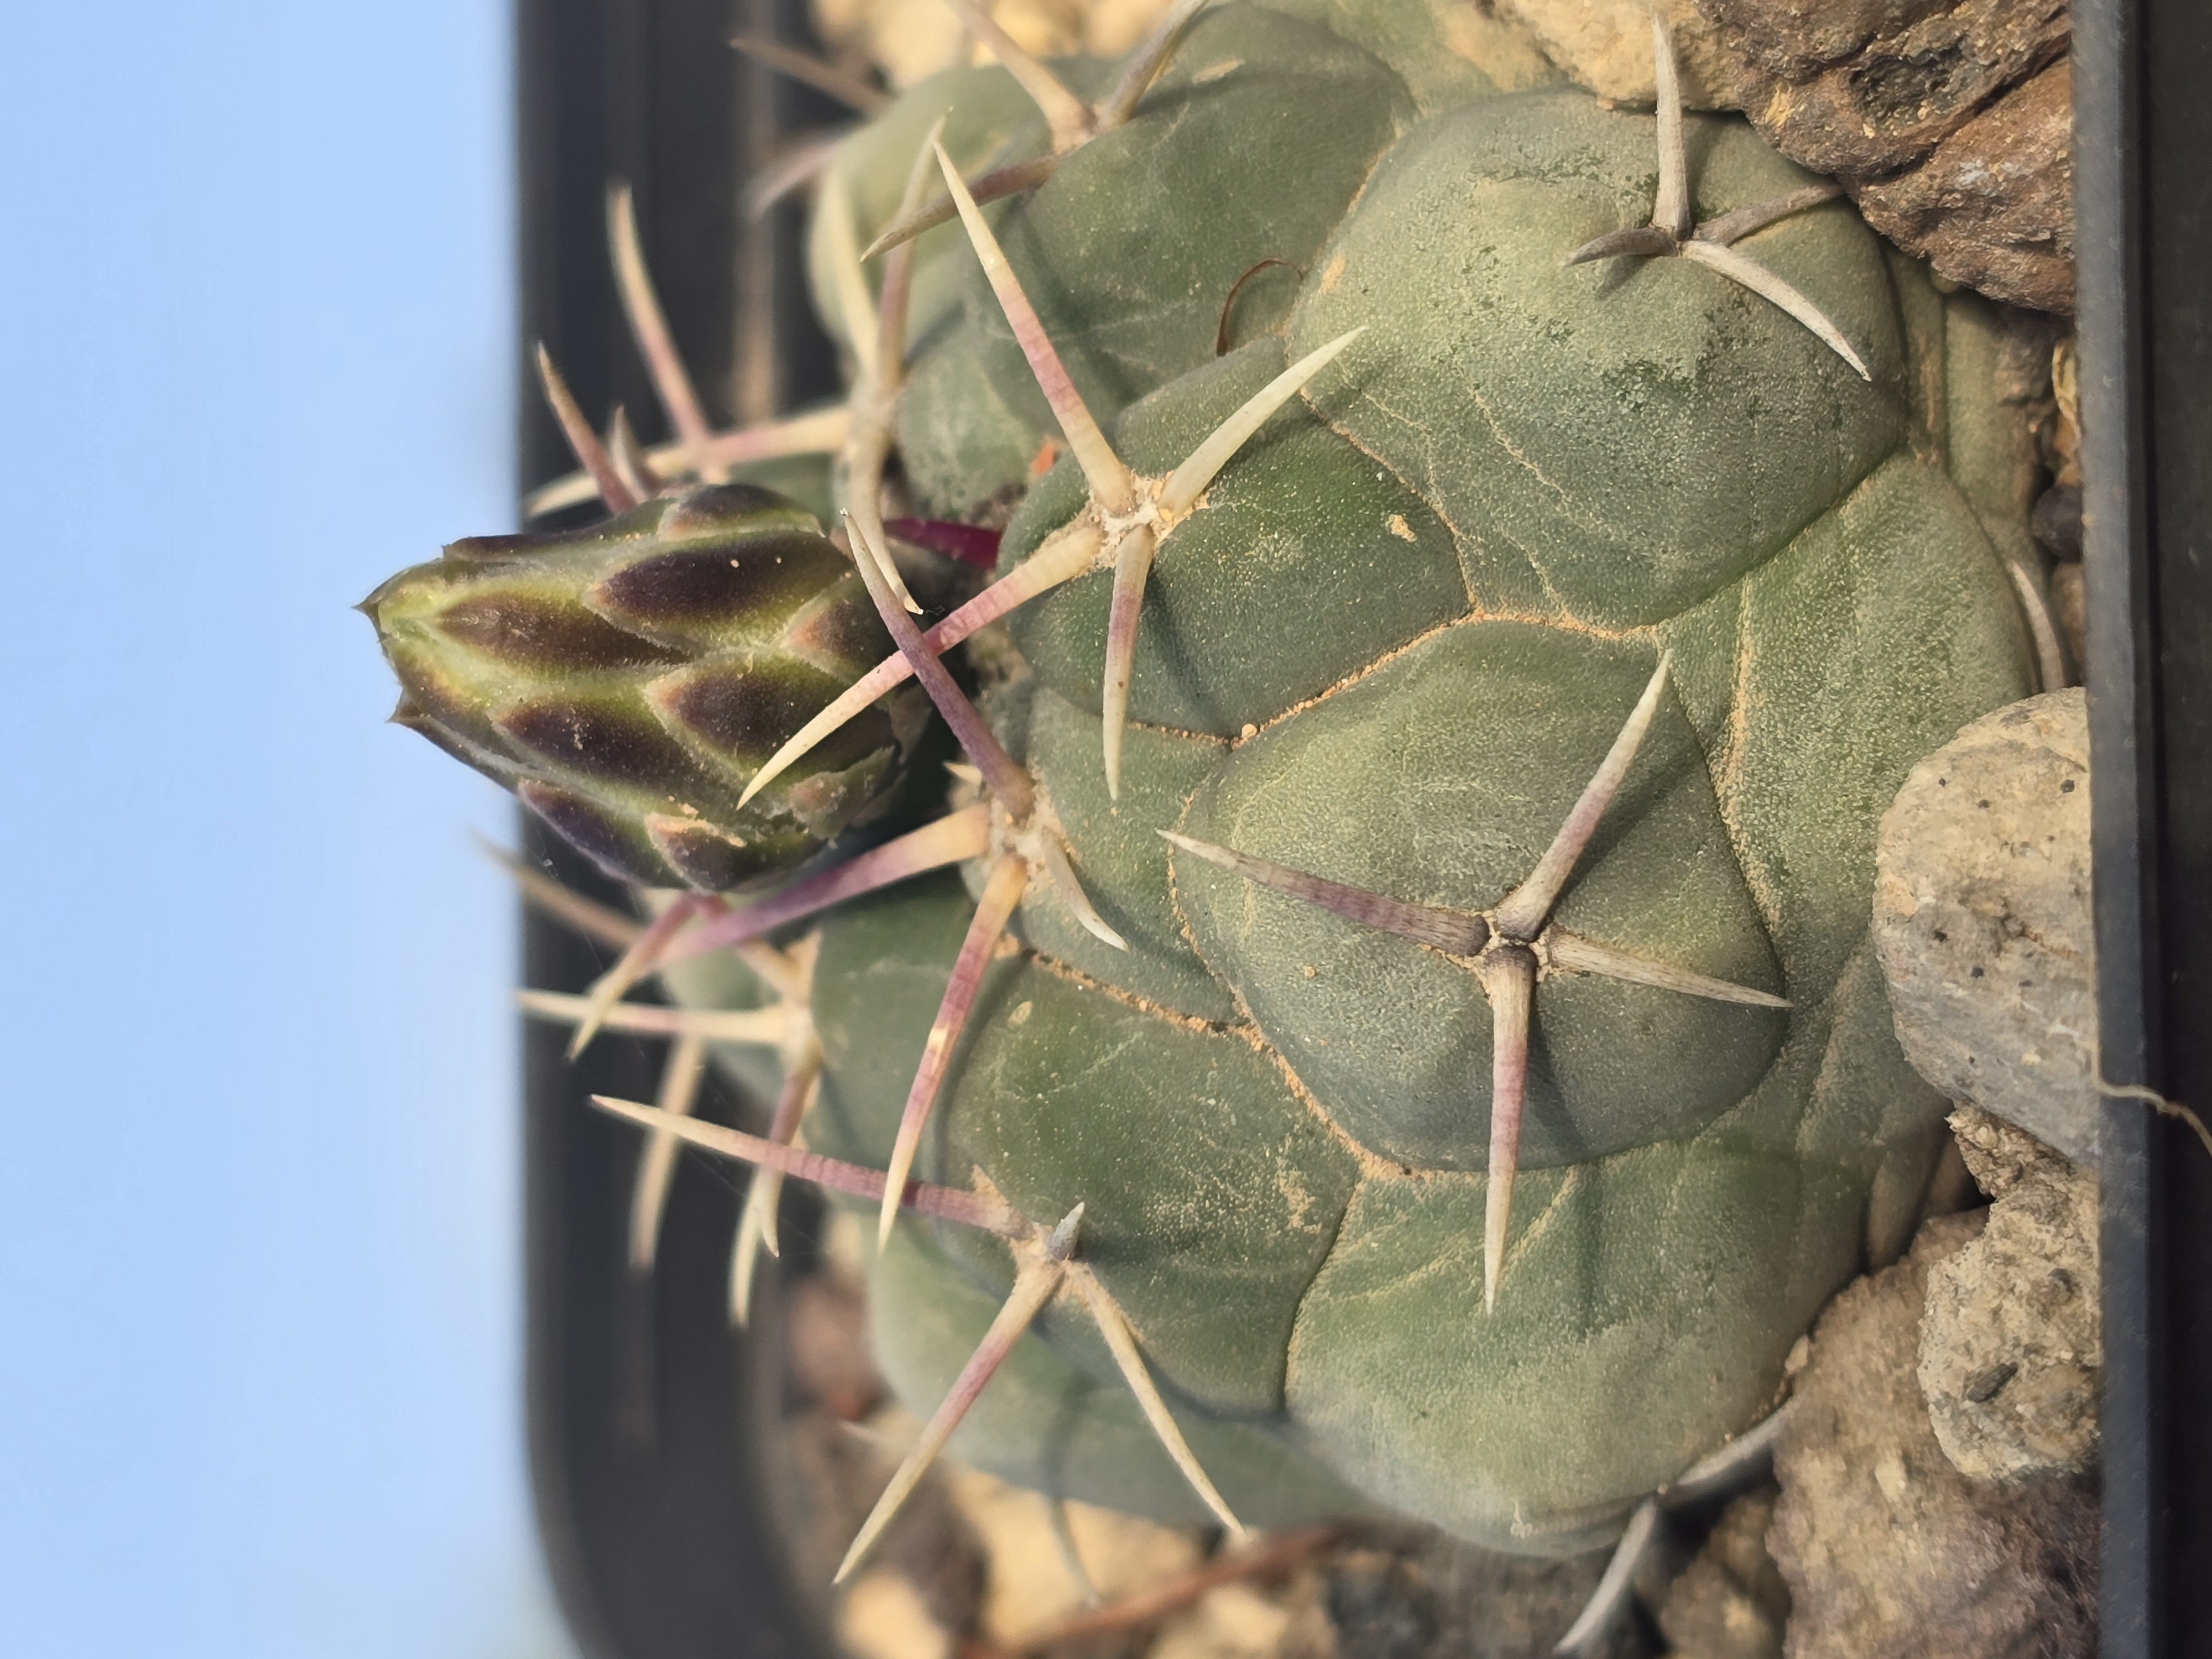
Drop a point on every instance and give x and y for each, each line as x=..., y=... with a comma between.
x=259, y=1387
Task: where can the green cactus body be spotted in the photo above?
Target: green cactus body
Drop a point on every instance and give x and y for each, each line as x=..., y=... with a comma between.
x=627, y=680
x=1388, y=647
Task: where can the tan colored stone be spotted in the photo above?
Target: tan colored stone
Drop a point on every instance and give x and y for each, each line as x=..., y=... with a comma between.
x=2011, y=1343
x=1982, y=920
x=1605, y=45
x=1889, y=1552
x=1730, y=1601
x=883, y=1616
x=1029, y=1585
x=1229, y=1621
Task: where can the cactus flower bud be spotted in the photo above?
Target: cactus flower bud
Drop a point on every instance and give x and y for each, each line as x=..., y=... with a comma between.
x=627, y=680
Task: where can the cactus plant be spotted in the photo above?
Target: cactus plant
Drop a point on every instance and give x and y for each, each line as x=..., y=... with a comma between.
x=1406, y=1036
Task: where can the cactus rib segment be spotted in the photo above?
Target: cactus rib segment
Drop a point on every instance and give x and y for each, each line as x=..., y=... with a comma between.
x=1507, y=948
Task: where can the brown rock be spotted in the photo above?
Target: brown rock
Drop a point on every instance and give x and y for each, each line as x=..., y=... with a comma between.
x=1889, y=1552
x=1949, y=120
x=1890, y=96
x=1992, y=206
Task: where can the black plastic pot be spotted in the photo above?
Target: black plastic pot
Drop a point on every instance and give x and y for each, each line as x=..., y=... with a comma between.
x=648, y=1417
x=2143, y=83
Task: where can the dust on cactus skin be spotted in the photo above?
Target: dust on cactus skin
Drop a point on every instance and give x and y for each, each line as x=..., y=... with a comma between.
x=1388, y=648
